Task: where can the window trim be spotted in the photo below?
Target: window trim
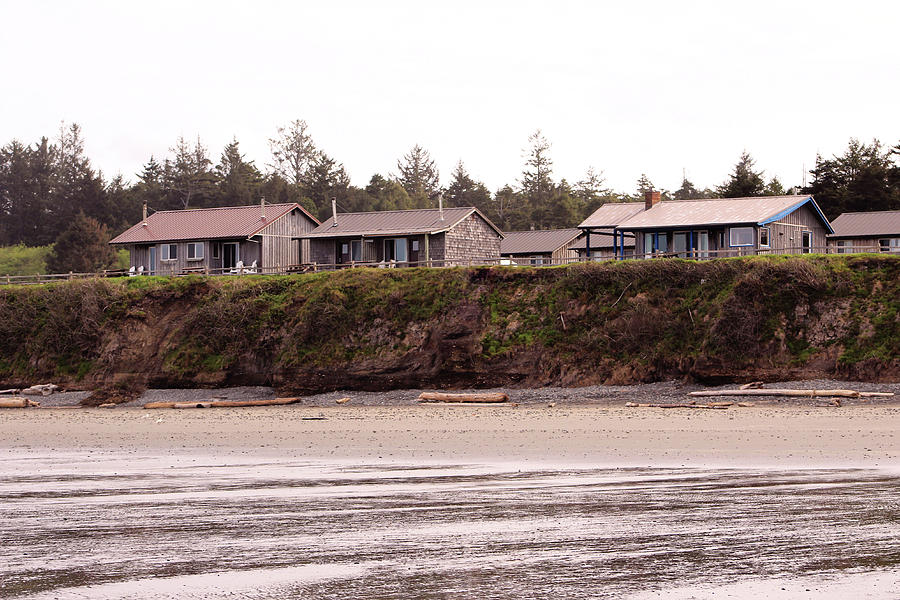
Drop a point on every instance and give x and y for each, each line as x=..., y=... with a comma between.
x=891, y=244
x=165, y=253
x=731, y=243
x=194, y=246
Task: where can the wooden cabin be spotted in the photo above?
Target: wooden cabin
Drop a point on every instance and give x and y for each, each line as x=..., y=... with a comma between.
x=418, y=237
x=540, y=247
x=260, y=238
x=874, y=231
x=723, y=227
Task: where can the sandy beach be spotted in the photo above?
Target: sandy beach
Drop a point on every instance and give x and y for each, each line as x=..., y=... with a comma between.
x=765, y=435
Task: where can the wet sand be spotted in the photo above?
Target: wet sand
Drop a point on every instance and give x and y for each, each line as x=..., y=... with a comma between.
x=430, y=502
x=783, y=436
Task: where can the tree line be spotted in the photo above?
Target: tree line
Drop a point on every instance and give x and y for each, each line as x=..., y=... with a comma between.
x=50, y=192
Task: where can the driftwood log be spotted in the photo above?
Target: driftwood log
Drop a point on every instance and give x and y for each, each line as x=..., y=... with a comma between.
x=710, y=406
x=491, y=397
x=43, y=389
x=797, y=393
x=223, y=403
x=16, y=402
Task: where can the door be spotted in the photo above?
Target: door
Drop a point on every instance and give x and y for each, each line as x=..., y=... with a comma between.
x=231, y=254
x=151, y=268
x=807, y=242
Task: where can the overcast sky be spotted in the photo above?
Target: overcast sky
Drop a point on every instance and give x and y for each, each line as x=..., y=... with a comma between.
x=625, y=87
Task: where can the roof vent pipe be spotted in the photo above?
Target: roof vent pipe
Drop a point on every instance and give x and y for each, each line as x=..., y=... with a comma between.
x=441, y=204
x=262, y=208
x=144, y=214
x=333, y=211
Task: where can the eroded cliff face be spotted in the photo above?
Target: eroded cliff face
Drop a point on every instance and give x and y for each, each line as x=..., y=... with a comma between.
x=626, y=322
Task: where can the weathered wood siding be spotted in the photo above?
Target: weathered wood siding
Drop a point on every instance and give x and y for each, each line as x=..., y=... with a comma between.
x=858, y=244
x=786, y=235
x=278, y=248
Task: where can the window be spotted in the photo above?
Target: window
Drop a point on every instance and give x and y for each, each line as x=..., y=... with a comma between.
x=844, y=247
x=537, y=260
x=764, y=236
x=216, y=250
x=679, y=244
x=195, y=251
x=889, y=245
x=415, y=246
x=662, y=242
x=356, y=250
x=169, y=252
x=395, y=249
x=806, y=241
x=741, y=236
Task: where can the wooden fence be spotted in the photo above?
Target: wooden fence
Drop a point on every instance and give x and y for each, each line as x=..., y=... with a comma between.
x=502, y=261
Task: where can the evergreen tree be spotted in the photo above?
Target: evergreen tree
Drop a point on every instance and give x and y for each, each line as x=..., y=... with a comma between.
x=536, y=184
x=465, y=191
x=864, y=178
x=744, y=181
x=590, y=192
x=188, y=179
x=687, y=191
x=387, y=194
x=326, y=180
x=419, y=176
x=82, y=248
x=238, y=179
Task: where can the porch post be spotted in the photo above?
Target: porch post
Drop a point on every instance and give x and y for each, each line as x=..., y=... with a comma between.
x=615, y=244
x=427, y=257
x=655, y=242
x=587, y=243
x=691, y=244
x=622, y=244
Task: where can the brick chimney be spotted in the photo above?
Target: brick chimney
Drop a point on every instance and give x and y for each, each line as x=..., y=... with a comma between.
x=651, y=198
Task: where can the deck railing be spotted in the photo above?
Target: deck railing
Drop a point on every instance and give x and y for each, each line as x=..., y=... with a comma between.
x=521, y=261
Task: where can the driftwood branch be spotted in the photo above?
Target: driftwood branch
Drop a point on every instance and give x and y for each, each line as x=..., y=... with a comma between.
x=797, y=393
x=442, y=397
x=223, y=403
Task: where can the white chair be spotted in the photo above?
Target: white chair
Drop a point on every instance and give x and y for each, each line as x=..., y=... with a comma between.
x=252, y=268
x=140, y=270
x=238, y=268
x=131, y=272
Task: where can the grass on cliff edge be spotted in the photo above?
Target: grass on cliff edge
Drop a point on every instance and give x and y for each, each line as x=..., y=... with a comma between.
x=744, y=309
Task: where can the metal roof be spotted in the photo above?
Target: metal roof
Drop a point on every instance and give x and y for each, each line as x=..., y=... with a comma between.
x=758, y=210
x=867, y=224
x=600, y=240
x=395, y=222
x=205, y=223
x=612, y=213
x=538, y=241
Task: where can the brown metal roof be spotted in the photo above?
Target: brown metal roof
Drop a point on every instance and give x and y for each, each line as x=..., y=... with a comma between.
x=612, y=213
x=867, y=224
x=719, y=211
x=539, y=241
x=205, y=223
x=395, y=222
x=600, y=240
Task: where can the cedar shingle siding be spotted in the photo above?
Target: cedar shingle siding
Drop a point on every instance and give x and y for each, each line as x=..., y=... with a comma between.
x=469, y=240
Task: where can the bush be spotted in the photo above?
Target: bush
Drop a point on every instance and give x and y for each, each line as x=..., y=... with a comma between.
x=22, y=260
